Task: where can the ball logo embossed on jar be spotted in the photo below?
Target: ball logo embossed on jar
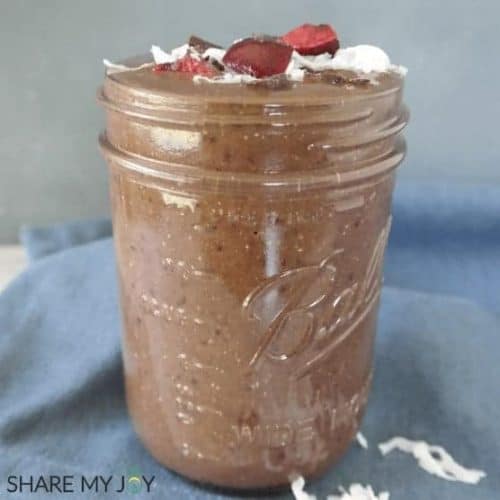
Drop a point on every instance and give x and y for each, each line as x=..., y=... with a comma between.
x=303, y=315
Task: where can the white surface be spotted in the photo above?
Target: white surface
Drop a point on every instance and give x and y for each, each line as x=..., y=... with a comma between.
x=12, y=261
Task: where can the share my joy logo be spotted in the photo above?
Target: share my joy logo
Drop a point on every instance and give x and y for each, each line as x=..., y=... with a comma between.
x=133, y=482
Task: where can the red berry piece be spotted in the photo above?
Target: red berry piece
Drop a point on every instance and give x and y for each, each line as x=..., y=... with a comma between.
x=313, y=39
x=188, y=64
x=158, y=68
x=258, y=57
x=194, y=66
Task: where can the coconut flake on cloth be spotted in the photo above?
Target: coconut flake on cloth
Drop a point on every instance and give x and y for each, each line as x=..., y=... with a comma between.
x=297, y=486
x=433, y=459
x=355, y=492
x=361, y=440
x=359, y=492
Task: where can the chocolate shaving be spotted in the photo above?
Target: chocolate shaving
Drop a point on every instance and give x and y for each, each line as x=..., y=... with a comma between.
x=333, y=77
x=217, y=65
x=200, y=45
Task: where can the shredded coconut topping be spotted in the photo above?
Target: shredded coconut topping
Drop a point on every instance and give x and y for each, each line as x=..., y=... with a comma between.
x=226, y=77
x=162, y=57
x=215, y=54
x=361, y=59
x=433, y=459
x=120, y=68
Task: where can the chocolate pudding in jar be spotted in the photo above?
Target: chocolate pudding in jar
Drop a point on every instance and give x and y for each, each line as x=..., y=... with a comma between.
x=251, y=203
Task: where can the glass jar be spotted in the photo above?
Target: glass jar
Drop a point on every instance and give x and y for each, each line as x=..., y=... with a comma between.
x=250, y=226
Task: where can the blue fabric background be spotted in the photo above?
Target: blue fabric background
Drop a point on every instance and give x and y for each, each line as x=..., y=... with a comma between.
x=437, y=374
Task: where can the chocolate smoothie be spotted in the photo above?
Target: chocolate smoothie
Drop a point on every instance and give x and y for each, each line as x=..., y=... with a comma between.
x=250, y=222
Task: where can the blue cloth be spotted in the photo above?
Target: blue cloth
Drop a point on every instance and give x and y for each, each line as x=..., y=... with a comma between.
x=62, y=408
x=41, y=241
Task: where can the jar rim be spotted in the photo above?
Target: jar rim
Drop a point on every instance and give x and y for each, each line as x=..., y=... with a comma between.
x=297, y=182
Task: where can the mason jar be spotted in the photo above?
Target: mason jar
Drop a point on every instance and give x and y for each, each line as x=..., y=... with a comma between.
x=250, y=224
